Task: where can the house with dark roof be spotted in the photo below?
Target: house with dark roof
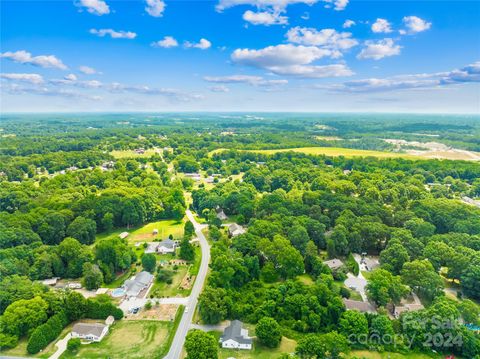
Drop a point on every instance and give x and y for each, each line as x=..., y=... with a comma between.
x=236, y=337
x=93, y=332
x=167, y=246
x=221, y=214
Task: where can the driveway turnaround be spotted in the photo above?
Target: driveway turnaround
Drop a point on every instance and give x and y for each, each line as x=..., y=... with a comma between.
x=177, y=344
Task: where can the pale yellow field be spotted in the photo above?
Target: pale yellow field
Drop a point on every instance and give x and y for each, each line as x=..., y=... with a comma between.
x=132, y=154
x=331, y=151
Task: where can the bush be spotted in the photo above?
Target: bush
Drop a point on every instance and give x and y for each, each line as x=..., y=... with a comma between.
x=344, y=292
x=165, y=275
x=7, y=341
x=73, y=345
x=148, y=305
x=47, y=332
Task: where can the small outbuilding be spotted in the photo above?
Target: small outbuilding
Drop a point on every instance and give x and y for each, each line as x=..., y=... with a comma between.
x=235, y=230
x=123, y=235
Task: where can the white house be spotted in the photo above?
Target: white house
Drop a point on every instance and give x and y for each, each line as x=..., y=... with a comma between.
x=235, y=337
x=235, y=230
x=93, y=332
x=166, y=246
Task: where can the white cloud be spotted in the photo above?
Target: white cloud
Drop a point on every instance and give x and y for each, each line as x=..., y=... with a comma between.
x=246, y=79
x=327, y=38
x=262, y=4
x=87, y=70
x=265, y=18
x=203, y=44
x=24, y=57
x=469, y=73
x=414, y=24
x=166, y=42
x=114, y=34
x=35, y=79
x=338, y=5
x=381, y=26
x=71, y=77
x=219, y=88
x=348, y=24
x=147, y=90
x=379, y=49
x=292, y=60
x=96, y=7
x=155, y=8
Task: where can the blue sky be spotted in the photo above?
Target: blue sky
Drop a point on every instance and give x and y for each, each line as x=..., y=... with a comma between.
x=240, y=55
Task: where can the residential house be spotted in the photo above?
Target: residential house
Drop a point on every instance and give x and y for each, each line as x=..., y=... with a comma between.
x=334, y=264
x=194, y=176
x=152, y=247
x=235, y=337
x=408, y=307
x=50, y=281
x=221, y=214
x=90, y=331
x=134, y=286
x=235, y=230
x=364, y=307
x=166, y=246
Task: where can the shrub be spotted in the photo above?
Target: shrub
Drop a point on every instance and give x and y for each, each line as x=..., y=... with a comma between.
x=47, y=332
x=73, y=345
x=7, y=341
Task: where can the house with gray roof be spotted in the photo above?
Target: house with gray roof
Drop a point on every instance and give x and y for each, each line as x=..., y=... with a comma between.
x=93, y=332
x=236, y=337
x=235, y=230
x=334, y=264
x=136, y=284
x=167, y=246
x=364, y=307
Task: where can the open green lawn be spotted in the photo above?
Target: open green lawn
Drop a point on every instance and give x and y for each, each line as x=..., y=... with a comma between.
x=132, y=154
x=332, y=151
x=129, y=339
x=144, y=232
x=259, y=351
x=365, y=354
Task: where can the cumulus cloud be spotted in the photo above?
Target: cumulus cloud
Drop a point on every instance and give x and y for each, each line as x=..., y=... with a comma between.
x=326, y=38
x=466, y=74
x=348, y=24
x=147, y=90
x=245, y=79
x=155, y=8
x=113, y=34
x=414, y=24
x=203, y=44
x=96, y=7
x=266, y=18
x=30, y=78
x=71, y=77
x=381, y=26
x=53, y=92
x=87, y=70
x=292, y=60
x=262, y=4
x=377, y=50
x=219, y=88
x=166, y=42
x=24, y=57
x=338, y=5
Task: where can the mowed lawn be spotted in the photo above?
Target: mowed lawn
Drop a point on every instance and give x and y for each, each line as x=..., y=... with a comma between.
x=259, y=351
x=365, y=354
x=129, y=339
x=144, y=233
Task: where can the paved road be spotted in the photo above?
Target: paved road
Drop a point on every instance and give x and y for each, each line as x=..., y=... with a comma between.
x=177, y=345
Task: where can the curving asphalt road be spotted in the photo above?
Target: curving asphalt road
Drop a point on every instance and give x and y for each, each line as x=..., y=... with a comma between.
x=177, y=344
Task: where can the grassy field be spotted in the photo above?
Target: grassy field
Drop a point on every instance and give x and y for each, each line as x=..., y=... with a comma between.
x=129, y=339
x=132, y=154
x=365, y=354
x=332, y=151
x=259, y=351
x=143, y=233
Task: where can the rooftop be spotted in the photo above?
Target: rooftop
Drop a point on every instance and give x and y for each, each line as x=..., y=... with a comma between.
x=95, y=329
x=234, y=332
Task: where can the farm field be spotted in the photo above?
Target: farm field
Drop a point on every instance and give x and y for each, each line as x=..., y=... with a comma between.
x=118, y=154
x=129, y=339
